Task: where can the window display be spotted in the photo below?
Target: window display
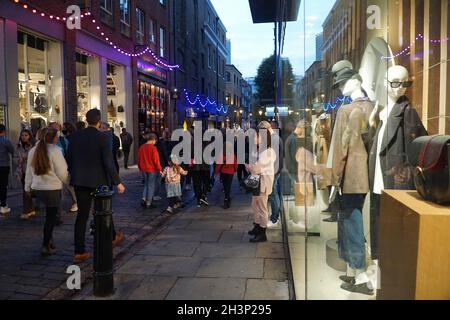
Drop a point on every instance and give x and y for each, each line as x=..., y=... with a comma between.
x=40, y=82
x=115, y=92
x=152, y=107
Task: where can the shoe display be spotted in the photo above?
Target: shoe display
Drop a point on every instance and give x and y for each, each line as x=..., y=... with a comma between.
x=359, y=288
x=347, y=279
x=78, y=258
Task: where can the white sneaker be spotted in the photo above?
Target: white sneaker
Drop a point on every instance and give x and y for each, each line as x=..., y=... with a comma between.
x=296, y=227
x=272, y=225
x=27, y=216
x=157, y=198
x=74, y=208
x=5, y=210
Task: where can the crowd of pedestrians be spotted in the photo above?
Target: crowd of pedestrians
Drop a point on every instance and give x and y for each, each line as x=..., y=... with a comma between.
x=77, y=159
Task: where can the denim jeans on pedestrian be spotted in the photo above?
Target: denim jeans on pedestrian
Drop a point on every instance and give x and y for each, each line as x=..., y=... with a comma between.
x=275, y=199
x=149, y=187
x=351, y=240
x=157, y=184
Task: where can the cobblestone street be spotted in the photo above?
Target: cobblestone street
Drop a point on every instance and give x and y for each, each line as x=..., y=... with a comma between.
x=196, y=254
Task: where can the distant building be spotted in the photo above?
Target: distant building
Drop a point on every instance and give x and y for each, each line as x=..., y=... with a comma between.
x=229, y=51
x=319, y=44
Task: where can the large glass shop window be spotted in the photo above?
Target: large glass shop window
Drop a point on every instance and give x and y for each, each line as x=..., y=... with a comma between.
x=84, y=66
x=377, y=81
x=152, y=107
x=40, y=81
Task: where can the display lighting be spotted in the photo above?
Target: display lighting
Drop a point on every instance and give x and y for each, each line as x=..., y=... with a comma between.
x=220, y=108
x=102, y=34
x=409, y=47
x=340, y=101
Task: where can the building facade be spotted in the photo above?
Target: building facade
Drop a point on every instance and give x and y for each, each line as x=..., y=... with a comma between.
x=200, y=48
x=313, y=86
x=117, y=61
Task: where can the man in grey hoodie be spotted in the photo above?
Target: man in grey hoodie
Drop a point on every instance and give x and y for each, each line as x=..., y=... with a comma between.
x=6, y=152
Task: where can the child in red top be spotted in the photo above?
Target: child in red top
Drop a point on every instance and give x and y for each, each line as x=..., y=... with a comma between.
x=149, y=164
x=227, y=171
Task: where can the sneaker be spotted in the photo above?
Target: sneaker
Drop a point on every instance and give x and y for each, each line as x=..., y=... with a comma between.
x=204, y=202
x=78, y=258
x=347, y=279
x=359, y=288
x=177, y=205
x=157, y=198
x=74, y=208
x=27, y=216
x=272, y=225
x=169, y=210
x=5, y=210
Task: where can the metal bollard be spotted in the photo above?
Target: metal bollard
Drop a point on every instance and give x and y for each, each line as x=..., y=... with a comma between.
x=103, y=251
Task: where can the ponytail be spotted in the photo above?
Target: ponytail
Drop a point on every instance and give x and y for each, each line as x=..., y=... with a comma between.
x=41, y=161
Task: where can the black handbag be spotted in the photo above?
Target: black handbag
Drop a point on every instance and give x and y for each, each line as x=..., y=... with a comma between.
x=431, y=156
x=252, y=183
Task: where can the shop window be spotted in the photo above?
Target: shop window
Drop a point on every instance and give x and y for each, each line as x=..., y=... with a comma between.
x=107, y=12
x=115, y=91
x=125, y=17
x=40, y=83
x=140, y=26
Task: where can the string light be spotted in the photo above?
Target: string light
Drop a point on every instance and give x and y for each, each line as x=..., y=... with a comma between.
x=85, y=15
x=220, y=108
x=409, y=47
x=340, y=101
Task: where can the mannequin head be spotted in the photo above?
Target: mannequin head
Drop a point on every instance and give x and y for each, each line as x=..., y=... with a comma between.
x=352, y=88
x=397, y=82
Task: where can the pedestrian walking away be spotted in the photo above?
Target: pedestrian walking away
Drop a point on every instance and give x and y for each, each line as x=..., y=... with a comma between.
x=149, y=164
x=6, y=153
x=91, y=166
x=45, y=177
x=227, y=171
x=127, y=142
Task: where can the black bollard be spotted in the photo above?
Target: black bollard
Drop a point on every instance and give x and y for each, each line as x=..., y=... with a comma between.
x=103, y=251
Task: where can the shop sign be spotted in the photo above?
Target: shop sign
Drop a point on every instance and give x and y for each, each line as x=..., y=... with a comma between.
x=151, y=70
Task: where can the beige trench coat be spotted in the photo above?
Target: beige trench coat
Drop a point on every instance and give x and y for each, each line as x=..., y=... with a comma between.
x=350, y=157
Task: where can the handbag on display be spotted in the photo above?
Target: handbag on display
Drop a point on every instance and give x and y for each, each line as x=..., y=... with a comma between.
x=431, y=155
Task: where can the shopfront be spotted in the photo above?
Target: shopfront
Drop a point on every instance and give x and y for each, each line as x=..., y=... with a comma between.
x=153, y=97
x=353, y=220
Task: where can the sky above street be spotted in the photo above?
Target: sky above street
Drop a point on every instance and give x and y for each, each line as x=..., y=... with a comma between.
x=251, y=43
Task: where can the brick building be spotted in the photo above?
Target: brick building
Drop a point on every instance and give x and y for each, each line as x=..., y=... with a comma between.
x=55, y=73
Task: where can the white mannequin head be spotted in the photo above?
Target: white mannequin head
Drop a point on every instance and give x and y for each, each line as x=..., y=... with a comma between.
x=352, y=88
x=396, y=74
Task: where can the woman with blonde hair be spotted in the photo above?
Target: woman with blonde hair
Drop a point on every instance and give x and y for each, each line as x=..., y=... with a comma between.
x=45, y=177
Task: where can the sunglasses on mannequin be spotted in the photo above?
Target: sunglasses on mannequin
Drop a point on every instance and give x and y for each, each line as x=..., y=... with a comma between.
x=398, y=84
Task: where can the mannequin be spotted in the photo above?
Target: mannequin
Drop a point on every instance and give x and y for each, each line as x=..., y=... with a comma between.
x=350, y=179
x=398, y=125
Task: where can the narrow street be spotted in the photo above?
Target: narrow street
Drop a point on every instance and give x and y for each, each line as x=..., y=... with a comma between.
x=198, y=253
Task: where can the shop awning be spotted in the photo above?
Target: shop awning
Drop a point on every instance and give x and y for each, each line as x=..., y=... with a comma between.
x=265, y=11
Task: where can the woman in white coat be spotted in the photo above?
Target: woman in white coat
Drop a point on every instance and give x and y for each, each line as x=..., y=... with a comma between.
x=265, y=168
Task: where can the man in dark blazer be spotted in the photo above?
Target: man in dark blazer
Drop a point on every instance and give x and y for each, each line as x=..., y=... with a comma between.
x=91, y=166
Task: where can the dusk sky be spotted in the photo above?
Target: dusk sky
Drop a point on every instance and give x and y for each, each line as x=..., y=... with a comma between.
x=251, y=43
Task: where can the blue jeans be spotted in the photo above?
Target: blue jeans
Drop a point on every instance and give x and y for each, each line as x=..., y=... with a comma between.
x=275, y=199
x=157, y=184
x=351, y=240
x=149, y=186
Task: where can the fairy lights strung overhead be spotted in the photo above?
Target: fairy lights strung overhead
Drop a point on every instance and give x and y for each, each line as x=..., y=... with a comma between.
x=409, y=47
x=208, y=102
x=88, y=15
x=340, y=101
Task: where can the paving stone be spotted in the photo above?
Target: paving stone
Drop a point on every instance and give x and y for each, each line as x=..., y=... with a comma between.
x=189, y=236
x=165, y=248
x=161, y=265
x=209, y=225
x=231, y=236
x=275, y=269
x=23, y=296
x=34, y=290
x=5, y=294
x=153, y=288
x=226, y=250
x=232, y=267
x=207, y=289
x=124, y=286
x=270, y=250
x=262, y=289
